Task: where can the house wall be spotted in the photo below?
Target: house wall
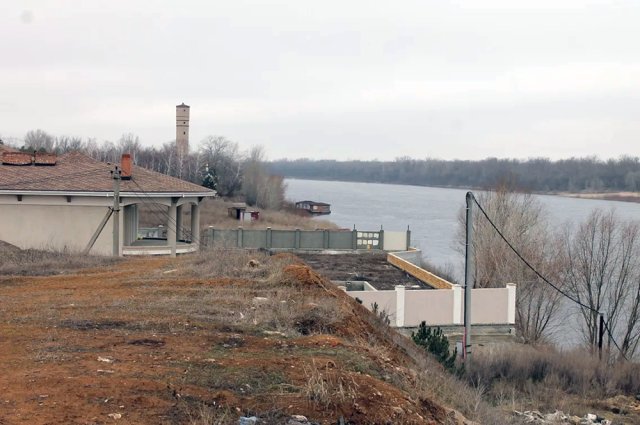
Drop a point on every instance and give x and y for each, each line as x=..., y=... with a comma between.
x=50, y=222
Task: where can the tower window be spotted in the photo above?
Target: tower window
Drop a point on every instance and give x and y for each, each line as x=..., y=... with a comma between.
x=184, y=132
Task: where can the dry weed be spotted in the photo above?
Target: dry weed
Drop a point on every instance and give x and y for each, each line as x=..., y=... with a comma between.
x=327, y=388
x=525, y=376
x=36, y=262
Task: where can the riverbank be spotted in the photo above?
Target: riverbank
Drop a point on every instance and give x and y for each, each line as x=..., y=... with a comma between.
x=604, y=196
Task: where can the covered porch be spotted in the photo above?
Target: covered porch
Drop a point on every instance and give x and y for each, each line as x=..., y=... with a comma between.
x=173, y=234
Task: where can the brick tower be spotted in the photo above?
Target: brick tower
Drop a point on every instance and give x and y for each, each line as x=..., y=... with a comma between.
x=182, y=129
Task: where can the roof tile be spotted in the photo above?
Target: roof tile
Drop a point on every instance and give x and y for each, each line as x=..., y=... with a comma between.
x=77, y=172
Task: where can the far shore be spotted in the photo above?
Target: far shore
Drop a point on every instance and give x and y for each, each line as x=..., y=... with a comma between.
x=606, y=196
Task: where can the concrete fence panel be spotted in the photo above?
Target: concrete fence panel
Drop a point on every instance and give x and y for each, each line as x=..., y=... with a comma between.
x=300, y=239
x=340, y=240
x=312, y=239
x=443, y=307
x=493, y=305
x=434, y=306
x=395, y=241
x=221, y=238
x=283, y=239
x=253, y=238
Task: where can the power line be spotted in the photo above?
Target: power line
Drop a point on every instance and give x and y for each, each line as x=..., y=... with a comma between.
x=526, y=262
x=544, y=279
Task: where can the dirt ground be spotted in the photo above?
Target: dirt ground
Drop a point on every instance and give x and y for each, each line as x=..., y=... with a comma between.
x=149, y=341
x=371, y=267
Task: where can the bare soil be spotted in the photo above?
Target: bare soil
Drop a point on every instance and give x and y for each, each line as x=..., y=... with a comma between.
x=370, y=267
x=154, y=341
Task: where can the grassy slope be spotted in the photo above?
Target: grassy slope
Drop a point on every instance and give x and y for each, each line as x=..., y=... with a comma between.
x=204, y=339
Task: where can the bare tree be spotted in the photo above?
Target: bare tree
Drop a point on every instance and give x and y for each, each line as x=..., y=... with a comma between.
x=225, y=162
x=522, y=220
x=253, y=175
x=603, y=274
x=39, y=140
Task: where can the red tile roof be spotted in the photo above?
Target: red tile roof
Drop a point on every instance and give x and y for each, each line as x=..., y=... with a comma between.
x=5, y=148
x=76, y=172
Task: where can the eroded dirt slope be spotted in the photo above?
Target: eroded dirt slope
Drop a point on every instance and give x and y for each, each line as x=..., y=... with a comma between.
x=153, y=341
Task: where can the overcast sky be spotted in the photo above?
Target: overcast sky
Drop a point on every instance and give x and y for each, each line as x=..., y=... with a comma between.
x=331, y=79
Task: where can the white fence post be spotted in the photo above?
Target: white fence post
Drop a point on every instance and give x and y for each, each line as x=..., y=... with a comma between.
x=511, y=302
x=400, y=294
x=457, y=304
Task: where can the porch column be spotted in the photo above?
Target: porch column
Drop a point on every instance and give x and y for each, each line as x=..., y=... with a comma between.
x=171, y=228
x=195, y=224
x=179, y=223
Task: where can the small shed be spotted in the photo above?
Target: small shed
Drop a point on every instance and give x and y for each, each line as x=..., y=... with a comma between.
x=237, y=210
x=313, y=207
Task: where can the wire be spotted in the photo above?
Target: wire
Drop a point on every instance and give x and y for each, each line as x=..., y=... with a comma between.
x=606, y=326
x=526, y=262
x=544, y=279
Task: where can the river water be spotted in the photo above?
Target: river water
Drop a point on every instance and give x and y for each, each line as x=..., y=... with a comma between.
x=432, y=216
x=431, y=213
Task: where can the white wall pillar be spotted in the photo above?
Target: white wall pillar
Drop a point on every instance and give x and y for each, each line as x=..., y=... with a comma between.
x=458, y=305
x=400, y=302
x=511, y=303
x=171, y=228
x=179, y=232
x=195, y=224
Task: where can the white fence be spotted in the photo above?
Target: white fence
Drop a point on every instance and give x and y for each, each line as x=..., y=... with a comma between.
x=442, y=307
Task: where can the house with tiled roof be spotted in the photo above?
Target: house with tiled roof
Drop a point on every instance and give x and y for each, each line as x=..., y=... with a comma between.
x=76, y=203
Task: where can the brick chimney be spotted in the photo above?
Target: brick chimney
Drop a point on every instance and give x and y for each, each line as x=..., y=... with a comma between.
x=125, y=166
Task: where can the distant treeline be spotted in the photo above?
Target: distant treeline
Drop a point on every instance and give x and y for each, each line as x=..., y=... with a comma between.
x=536, y=174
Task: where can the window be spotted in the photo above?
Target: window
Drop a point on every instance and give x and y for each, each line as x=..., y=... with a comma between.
x=184, y=132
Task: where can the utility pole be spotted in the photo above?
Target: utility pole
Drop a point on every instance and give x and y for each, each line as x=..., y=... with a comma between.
x=116, y=211
x=468, y=279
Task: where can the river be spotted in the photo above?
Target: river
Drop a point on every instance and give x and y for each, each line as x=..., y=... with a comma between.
x=430, y=212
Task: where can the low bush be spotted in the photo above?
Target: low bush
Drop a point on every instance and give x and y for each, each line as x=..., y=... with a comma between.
x=436, y=343
x=542, y=373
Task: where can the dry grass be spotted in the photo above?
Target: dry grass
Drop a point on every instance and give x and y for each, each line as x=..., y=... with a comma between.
x=326, y=387
x=524, y=377
x=213, y=212
x=217, y=335
x=35, y=262
x=428, y=380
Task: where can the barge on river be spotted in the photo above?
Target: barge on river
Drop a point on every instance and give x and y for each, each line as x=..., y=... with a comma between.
x=314, y=208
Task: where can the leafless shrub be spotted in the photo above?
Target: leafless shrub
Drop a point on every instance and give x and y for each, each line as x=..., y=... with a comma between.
x=523, y=221
x=447, y=272
x=512, y=372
